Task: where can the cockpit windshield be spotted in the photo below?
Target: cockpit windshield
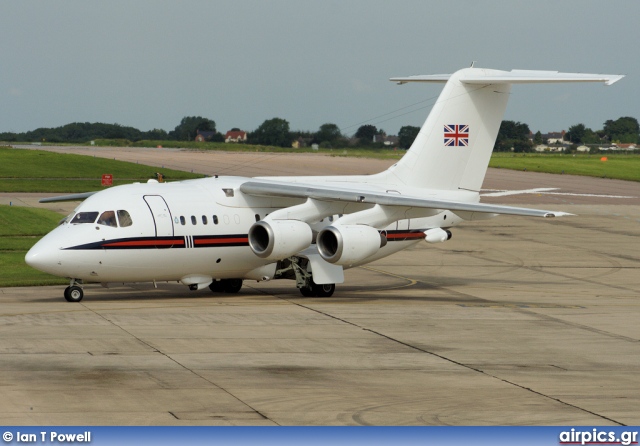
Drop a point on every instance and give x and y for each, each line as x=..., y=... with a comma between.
x=85, y=217
x=107, y=218
x=124, y=218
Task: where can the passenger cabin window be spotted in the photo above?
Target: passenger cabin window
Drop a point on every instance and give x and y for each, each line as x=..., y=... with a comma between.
x=193, y=220
x=182, y=220
x=124, y=218
x=257, y=217
x=215, y=219
x=108, y=218
x=204, y=220
x=85, y=217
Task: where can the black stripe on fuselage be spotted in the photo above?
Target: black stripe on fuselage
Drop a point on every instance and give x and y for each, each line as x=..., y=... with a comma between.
x=212, y=241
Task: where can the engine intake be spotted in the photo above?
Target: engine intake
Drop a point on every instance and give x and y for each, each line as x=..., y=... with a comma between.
x=279, y=239
x=348, y=244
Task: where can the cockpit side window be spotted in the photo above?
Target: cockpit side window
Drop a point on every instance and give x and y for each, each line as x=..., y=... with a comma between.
x=124, y=218
x=85, y=217
x=108, y=218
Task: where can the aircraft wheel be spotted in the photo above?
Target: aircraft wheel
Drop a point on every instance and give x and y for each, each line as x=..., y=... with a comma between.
x=324, y=290
x=232, y=285
x=307, y=291
x=217, y=286
x=73, y=294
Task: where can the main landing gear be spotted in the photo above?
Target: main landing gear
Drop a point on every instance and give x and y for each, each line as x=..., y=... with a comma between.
x=73, y=293
x=298, y=268
x=230, y=286
x=314, y=290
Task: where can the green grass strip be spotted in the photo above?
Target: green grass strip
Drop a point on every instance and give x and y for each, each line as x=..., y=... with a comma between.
x=622, y=167
x=20, y=229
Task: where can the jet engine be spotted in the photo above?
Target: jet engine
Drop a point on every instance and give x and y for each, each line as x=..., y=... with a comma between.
x=279, y=239
x=349, y=244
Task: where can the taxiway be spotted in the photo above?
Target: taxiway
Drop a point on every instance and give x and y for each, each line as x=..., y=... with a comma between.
x=513, y=321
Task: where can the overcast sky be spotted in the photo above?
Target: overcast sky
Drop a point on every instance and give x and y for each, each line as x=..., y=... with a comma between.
x=148, y=63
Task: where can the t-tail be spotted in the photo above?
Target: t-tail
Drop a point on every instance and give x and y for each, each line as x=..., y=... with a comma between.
x=453, y=148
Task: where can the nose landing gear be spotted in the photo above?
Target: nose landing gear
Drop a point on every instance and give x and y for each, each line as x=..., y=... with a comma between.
x=73, y=293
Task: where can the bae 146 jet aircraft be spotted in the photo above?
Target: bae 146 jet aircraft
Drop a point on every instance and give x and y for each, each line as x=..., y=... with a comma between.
x=219, y=231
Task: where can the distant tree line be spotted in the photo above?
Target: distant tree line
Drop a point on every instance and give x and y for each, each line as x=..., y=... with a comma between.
x=276, y=132
x=516, y=135
x=273, y=132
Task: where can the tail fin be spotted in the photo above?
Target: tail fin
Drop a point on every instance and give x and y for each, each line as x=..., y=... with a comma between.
x=453, y=148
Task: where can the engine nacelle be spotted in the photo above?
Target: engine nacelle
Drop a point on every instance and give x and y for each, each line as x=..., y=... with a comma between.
x=279, y=239
x=348, y=244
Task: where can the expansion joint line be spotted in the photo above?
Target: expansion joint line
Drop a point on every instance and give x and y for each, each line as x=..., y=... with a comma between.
x=452, y=361
x=182, y=366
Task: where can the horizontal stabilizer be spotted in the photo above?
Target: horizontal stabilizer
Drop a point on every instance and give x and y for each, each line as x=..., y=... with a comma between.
x=483, y=77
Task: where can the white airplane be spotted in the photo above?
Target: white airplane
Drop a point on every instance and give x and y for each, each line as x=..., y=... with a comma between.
x=219, y=231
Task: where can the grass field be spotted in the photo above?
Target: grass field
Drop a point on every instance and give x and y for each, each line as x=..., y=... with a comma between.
x=40, y=171
x=20, y=229
x=622, y=167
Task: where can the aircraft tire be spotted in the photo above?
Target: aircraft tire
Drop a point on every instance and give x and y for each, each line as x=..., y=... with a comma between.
x=73, y=294
x=232, y=286
x=307, y=291
x=324, y=290
x=217, y=286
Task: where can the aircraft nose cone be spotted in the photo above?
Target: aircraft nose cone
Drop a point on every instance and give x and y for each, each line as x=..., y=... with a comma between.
x=43, y=258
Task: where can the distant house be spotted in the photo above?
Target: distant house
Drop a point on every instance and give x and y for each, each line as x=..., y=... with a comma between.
x=390, y=140
x=235, y=136
x=204, y=136
x=555, y=138
x=299, y=143
x=624, y=146
x=547, y=148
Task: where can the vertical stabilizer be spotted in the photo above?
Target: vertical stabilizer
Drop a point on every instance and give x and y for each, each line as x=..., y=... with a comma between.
x=453, y=147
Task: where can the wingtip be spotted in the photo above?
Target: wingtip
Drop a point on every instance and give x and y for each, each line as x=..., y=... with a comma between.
x=614, y=79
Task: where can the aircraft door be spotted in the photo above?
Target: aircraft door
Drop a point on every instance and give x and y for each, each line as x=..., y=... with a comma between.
x=161, y=215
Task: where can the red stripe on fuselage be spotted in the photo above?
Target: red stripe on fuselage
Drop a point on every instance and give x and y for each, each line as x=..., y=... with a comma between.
x=213, y=241
x=406, y=235
x=146, y=243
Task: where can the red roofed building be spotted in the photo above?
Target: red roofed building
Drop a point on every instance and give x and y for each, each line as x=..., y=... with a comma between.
x=235, y=136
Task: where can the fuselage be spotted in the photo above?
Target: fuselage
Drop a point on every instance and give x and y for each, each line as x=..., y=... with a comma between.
x=168, y=231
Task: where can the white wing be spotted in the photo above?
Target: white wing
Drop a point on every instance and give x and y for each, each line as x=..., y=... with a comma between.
x=328, y=192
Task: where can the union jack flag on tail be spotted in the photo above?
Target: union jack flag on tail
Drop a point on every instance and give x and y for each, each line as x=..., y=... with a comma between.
x=456, y=135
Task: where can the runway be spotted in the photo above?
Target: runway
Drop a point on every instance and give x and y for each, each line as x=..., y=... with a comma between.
x=514, y=321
